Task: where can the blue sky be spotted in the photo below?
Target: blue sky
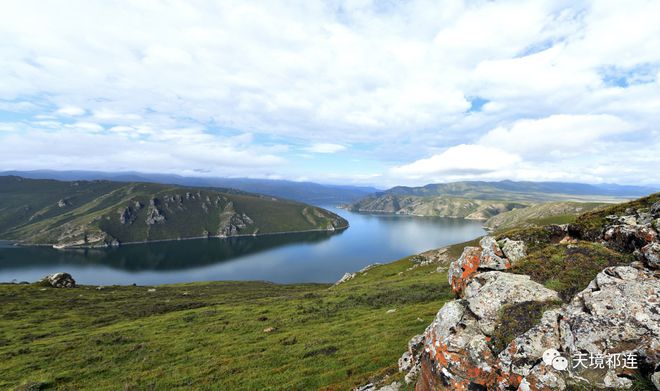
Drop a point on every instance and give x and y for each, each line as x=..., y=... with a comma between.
x=335, y=91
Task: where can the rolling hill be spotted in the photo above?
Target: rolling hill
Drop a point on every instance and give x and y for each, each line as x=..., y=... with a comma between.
x=484, y=200
x=307, y=192
x=105, y=213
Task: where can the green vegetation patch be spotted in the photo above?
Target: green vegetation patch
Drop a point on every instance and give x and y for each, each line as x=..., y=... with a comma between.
x=515, y=319
x=221, y=335
x=589, y=226
x=568, y=269
x=535, y=238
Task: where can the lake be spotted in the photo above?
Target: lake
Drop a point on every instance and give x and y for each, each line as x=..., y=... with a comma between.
x=287, y=258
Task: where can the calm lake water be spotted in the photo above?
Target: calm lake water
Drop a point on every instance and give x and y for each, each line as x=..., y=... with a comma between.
x=305, y=257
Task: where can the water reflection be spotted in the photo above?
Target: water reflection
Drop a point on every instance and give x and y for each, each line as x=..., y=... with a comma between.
x=303, y=257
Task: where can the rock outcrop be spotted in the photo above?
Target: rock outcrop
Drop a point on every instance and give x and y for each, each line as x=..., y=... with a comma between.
x=489, y=256
x=602, y=337
x=59, y=280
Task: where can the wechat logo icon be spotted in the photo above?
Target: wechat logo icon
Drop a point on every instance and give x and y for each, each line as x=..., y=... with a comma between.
x=552, y=357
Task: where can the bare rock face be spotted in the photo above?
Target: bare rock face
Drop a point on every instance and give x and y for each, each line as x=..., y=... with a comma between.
x=237, y=223
x=59, y=280
x=154, y=213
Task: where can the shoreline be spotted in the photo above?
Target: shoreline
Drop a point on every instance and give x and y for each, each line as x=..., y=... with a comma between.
x=19, y=244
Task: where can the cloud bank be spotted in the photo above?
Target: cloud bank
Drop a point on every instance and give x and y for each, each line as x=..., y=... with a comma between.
x=352, y=91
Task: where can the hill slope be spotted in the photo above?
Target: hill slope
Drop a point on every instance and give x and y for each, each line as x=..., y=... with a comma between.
x=558, y=212
x=102, y=213
x=308, y=192
x=483, y=200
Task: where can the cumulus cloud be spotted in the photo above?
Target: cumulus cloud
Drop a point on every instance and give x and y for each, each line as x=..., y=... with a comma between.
x=461, y=159
x=71, y=111
x=325, y=148
x=577, y=81
x=559, y=134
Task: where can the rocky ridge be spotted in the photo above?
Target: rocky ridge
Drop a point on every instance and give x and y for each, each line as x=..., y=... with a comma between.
x=614, y=318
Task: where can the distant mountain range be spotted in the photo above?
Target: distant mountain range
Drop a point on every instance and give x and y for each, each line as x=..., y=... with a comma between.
x=308, y=192
x=483, y=200
x=105, y=213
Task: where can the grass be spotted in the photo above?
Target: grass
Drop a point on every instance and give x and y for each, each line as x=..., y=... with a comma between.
x=515, y=319
x=569, y=269
x=211, y=335
x=30, y=212
x=588, y=226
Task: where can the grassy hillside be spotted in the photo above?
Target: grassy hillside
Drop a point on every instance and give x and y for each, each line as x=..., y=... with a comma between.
x=435, y=206
x=101, y=213
x=559, y=212
x=522, y=191
x=484, y=200
x=225, y=335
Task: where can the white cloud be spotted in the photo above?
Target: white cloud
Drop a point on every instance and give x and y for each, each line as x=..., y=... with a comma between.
x=325, y=148
x=71, y=111
x=461, y=159
x=578, y=81
x=556, y=134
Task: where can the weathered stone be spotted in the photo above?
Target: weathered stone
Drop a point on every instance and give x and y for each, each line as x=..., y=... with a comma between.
x=59, y=280
x=651, y=254
x=487, y=292
x=628, y=238
x=492, y=256
x=154, y=213
x=655, y=209
x=514, y=250
x=617, y=312
x=345, y=277
x=409, y=361
x=461, y=270
x=613, y=315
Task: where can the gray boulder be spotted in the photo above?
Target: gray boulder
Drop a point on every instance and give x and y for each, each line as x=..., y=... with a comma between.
x=651, y=254
x=514, y=250
x=59, y=280
x=492, y=256
x=487, y=292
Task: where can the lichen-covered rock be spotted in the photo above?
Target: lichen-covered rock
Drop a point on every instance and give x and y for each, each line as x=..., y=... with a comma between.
x=492, y=256
x=461, y=270
x=628, y=238
x=514, y=250
x=651, y=254
x=457, y=351
x=615, y=314
x=409, y=361
x=59, y=280
x=487, y=292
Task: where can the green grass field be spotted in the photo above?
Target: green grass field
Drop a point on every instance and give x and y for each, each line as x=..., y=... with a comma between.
x=211, y=335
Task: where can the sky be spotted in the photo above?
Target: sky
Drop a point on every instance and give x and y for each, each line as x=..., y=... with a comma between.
x=377, y=93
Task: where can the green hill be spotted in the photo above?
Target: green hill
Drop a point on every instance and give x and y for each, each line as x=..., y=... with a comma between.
x=105, y=213
x=558, y=212
x=484, y=200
